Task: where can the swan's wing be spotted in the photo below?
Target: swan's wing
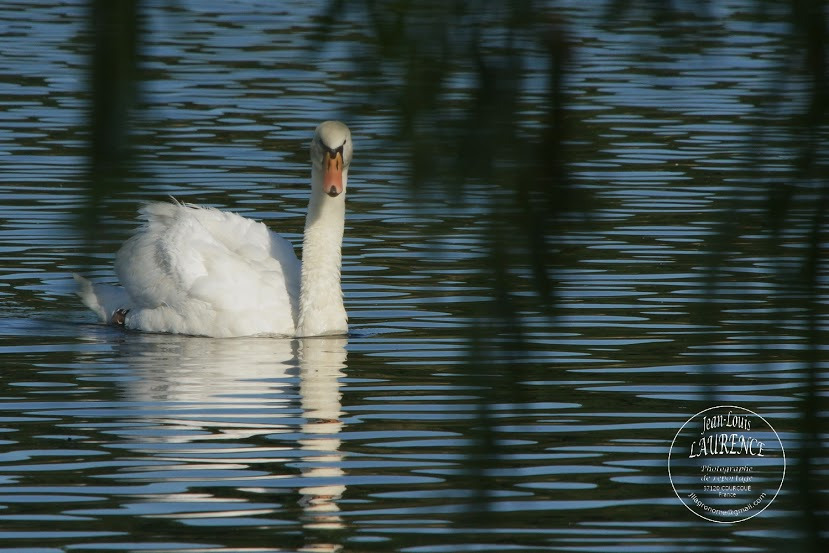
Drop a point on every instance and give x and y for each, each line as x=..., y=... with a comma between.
x=219, y=262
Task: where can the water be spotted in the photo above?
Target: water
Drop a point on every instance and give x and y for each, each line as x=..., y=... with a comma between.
x=128, y=441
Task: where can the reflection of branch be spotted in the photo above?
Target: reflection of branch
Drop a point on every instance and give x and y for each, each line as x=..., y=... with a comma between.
x=114, y=39
x=479, y=132
x=477, y=89
x=455, y=75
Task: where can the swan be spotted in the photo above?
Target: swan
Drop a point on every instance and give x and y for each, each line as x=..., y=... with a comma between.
x=201, y=271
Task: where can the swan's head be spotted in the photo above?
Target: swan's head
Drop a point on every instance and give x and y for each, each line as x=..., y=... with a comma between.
x=331, y=155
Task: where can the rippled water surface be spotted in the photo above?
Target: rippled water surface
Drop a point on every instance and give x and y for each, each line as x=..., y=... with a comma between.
x=128, y=441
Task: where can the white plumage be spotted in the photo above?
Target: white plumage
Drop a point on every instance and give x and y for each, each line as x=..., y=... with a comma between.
x=195, y=270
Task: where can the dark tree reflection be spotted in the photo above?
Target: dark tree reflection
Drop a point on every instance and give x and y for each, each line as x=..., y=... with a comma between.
x=808, y=198
x=454, y=74
x=114, y=37
x=485, y=138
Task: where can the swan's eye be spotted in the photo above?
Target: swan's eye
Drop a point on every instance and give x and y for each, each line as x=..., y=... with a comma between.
x=334, y=151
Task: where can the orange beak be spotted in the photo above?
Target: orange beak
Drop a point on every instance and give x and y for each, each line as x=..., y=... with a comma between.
x=332, y=182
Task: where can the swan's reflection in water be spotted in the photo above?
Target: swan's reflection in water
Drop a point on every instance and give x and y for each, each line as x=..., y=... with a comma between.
x=319, y=365
x=247, y=404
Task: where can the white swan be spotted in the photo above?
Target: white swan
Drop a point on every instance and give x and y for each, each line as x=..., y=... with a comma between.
x=201, y=271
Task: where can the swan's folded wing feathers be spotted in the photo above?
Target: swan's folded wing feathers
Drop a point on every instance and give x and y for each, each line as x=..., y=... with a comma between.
x=259, y=264
x=206, y=261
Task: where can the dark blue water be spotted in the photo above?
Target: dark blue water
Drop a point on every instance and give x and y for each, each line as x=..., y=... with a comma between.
x=128, y=441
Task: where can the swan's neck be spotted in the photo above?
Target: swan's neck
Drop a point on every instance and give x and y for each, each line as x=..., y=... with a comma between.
x=321, y=309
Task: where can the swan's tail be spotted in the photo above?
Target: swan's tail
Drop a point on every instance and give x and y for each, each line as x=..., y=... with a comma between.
x=103, y=299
